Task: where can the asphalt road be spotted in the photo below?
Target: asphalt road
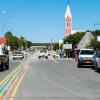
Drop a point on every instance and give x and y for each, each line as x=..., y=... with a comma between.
x=12, y=65
x=58, y=80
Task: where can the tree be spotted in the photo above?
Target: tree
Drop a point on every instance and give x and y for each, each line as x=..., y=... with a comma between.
x=74, y=39
x=56, y=46
x=29, y=44
x=14, y=42
x=94, y=43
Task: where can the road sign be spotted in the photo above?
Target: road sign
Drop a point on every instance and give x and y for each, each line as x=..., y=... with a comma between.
x=67, y=46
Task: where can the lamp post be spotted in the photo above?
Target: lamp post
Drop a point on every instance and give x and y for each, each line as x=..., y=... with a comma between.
x=2, y=29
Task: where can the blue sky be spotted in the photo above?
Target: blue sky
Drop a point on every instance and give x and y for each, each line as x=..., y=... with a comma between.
x=43, y=20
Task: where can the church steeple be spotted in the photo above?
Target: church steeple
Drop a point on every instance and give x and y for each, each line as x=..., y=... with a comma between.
x=68, y=21
x=68, y=11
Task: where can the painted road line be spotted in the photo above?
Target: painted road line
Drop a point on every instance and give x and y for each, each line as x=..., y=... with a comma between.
x=17, y=85
x=11, y=83
x=6, y=85
x=1, y=82
x=3, y=87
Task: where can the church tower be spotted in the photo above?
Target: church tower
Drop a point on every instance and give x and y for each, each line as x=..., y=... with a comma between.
x=68, y=21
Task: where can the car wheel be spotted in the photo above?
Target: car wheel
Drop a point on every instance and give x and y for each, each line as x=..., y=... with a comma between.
x=78, y=65
x=93, y=67
x=7, y=66
x=97, y=69
x=2, y=67
x=46, y=57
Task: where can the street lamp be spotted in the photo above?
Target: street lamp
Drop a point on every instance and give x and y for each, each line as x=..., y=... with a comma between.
x=2, y=29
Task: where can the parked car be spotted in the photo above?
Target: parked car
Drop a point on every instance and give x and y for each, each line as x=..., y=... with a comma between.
x=98, y=61
x=87, y=57
x=4, y=58
x=18, y=55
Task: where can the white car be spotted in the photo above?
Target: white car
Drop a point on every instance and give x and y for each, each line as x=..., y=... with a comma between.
x=43, y=54
x=18, y=55
x=98, y=61
x=87, y=57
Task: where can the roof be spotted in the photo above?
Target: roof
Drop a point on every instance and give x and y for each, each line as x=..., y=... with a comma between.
x=3, y=40
x=68, y=12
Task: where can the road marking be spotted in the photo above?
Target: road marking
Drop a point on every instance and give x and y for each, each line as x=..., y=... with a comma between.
x=2, y=81
x=6, y=82
x=16, y=87
x=18, y=84
x=21, y=76
x=9, y=81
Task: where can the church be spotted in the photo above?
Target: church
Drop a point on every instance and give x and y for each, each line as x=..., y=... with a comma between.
x=68, y=22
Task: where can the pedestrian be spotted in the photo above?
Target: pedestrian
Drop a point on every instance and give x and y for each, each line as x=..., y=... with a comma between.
x=75, y=57
x=73, y=54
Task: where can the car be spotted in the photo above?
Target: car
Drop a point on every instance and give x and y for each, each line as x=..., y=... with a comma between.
x=86, y=57
x=43, y=54
x=4, y=58
x=57, y=55
x=98, y=61
x=18, y=55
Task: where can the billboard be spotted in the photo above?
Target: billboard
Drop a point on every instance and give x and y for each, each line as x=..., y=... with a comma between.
x=67, y=46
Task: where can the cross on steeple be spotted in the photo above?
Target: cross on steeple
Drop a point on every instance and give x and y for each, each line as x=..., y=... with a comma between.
x=68, y=2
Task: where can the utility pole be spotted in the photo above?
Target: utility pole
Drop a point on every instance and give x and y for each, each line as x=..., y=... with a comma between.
x=51, y=44
x=96, y=24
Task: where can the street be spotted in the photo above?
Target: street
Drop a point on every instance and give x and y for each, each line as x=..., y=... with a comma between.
x=56, y=80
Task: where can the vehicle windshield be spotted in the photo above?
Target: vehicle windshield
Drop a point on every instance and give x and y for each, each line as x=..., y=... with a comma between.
x=43, y=51
x=17, y=53
x=88, y=52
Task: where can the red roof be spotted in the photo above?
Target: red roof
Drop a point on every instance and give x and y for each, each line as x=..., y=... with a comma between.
x=3, y=40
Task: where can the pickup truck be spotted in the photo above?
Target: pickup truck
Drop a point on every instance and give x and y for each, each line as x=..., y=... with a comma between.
x=43, y=54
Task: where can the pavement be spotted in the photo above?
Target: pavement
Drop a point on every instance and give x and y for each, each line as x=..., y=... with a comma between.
x=57, y=80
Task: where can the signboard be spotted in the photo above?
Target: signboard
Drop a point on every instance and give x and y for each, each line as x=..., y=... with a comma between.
x=3, y=40
x=67, y=46
x=98, y=38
